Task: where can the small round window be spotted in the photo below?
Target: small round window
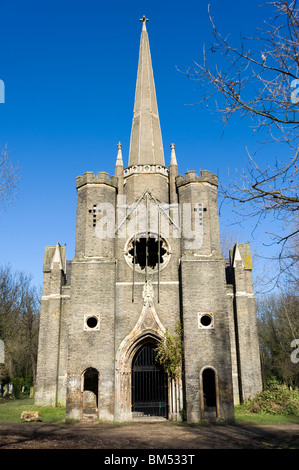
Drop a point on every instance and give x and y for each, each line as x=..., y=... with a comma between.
x=91, y=322
x=205, y=320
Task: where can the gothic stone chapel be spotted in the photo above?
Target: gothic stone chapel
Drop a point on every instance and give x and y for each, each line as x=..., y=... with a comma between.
x=147, y=256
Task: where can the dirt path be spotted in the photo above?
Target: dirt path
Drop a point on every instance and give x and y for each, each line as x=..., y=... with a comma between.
x=150, y=436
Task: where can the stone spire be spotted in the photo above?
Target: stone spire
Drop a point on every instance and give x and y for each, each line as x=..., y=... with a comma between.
x=146, y=145
x=173, y=160
x=119, y=159
x=119, y=170
x=173, y=173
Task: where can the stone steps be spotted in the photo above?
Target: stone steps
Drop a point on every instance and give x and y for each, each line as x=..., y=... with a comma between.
x=140, y=416
x=210, y=413
x=90, y=414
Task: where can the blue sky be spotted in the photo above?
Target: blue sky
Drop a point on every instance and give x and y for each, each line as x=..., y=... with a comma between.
x=69, y=69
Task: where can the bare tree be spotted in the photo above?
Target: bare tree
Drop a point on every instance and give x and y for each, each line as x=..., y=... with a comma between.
x=278, y=324
x=259, y=79
x=8, y=177
x=29, y=306
x=19, y=321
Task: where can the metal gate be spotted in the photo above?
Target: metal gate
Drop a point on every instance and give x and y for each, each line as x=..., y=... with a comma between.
x=149, y=384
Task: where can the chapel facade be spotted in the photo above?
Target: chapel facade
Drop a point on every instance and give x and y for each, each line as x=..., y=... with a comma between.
x=147, y=259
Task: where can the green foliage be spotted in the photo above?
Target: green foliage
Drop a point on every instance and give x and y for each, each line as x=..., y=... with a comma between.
x=170, y=352
x=17, y=386
x=28, y=383
x=276, y=399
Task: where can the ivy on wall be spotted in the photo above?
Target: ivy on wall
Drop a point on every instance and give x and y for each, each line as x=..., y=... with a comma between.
x=170, y=352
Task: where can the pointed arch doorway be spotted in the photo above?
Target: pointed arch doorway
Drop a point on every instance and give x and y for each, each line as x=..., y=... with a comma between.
x=149, y=383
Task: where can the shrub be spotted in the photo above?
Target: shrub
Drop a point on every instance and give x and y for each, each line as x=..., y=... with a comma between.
x=275, y=399
x=17, y=386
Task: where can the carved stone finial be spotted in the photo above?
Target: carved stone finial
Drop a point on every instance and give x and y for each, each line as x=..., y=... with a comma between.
x=148, y=293
x=173, y=160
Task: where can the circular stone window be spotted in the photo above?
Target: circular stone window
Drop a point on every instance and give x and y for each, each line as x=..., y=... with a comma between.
x=152, y=252
x=91, y=322
x=205, y=320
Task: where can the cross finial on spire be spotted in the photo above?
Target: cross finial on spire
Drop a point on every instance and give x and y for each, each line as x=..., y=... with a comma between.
x=144, y=20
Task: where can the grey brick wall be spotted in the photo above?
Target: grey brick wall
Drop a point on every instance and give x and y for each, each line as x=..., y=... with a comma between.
x=193, y=282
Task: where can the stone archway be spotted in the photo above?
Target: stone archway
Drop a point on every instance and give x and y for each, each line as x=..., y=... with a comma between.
x=209, y=391
x=148, y=329
x=123, y=379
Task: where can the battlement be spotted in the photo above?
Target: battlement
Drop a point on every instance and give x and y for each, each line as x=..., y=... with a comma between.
x=191, y=177
x=139, y=169
x=90, y=178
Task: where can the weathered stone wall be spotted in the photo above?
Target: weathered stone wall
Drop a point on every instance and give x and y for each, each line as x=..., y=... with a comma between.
x=204, y=291
x=92, y=293
x=93, y=194
x=63, y=345
x=231, y=319
x=137, y=183
x=49, y=332
x=246, y=325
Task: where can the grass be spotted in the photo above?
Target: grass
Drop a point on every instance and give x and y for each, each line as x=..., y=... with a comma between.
x=10, y=411
x=245, y=418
